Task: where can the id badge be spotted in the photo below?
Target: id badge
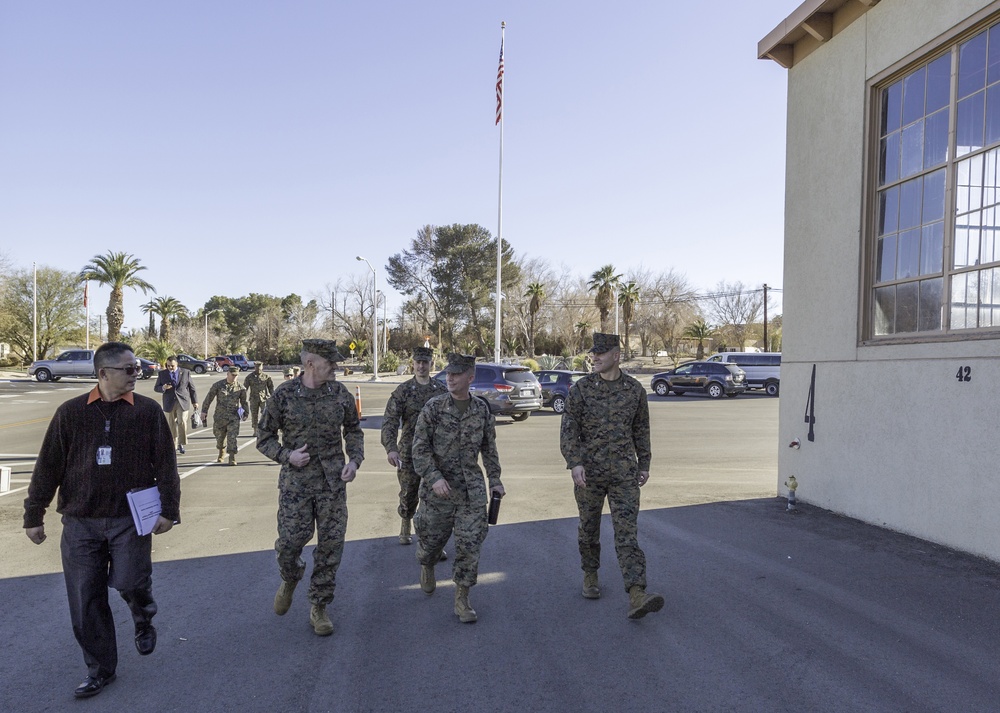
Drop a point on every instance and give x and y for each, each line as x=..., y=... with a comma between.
x=104, y=455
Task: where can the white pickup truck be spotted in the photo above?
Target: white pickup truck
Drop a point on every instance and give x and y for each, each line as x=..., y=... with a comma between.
x=77, y=363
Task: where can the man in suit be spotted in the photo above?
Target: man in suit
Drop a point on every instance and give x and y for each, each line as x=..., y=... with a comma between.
x=179, y=397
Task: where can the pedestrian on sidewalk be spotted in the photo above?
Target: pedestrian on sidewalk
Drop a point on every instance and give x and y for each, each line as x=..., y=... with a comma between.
x=97, y=448
x=179, y=397
x=398, y=424
x=231, y=409
x=604, y=437
x=452, y=431
x=317, y=419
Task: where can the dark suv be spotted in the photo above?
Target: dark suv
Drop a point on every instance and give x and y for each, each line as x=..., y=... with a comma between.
x=555, y=385
x=712, y=378
x=198, y=366
x=510, y=390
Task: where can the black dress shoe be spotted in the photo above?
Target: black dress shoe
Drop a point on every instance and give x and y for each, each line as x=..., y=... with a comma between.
x=180, y=449
x=145, y=639
x=92, y=685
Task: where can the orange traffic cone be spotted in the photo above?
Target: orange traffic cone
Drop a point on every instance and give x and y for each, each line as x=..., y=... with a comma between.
x=357, y=400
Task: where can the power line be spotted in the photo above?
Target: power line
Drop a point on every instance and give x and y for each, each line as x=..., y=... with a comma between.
x=681, y=299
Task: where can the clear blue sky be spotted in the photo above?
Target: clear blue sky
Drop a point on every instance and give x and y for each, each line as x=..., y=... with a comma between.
x=273, y=141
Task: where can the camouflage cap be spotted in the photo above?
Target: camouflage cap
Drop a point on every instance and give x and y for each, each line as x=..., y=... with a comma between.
x=233, y=369
x=423, y=353
x=326, y=348
x=289, y=371
x=460, y=363
x=605, y=343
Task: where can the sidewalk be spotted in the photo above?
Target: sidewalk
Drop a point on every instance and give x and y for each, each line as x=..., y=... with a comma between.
x=766, y=612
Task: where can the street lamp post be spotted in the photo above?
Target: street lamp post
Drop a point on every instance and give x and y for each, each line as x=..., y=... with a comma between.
x=206, y=328
x=384, y=333
x=374, y=318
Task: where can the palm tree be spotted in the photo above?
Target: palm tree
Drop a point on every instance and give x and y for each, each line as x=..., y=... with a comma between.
x=148, y=309
x=118, y=270
x=168, y=309
x=157, y=350
x=628, y=298
x=702, y=332
x=604, y=282
x=583, y=328
x=536, y=291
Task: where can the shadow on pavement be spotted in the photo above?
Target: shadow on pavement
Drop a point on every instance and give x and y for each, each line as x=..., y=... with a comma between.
x=766, y=611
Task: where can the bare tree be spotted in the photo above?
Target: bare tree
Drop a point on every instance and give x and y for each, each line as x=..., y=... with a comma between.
x=517, y=315
x=351, y=316
x=736, y=308
x=668, y=306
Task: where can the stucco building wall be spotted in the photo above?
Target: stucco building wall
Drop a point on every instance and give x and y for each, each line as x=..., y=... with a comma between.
x=899, y=441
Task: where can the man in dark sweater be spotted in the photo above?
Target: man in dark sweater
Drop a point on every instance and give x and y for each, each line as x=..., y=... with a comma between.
x=98, y=447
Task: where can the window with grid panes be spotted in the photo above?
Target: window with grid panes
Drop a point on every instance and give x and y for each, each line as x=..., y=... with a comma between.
x=937, y=262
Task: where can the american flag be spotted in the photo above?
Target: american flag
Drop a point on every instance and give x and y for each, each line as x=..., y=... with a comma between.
x=500, y=86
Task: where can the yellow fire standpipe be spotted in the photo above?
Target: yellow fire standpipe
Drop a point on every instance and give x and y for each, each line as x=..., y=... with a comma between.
x=791, y=484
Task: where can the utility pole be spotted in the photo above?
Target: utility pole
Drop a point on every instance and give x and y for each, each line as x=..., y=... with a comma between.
x=766, y=349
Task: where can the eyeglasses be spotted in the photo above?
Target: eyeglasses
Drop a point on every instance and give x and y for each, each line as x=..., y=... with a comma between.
x=130, y=370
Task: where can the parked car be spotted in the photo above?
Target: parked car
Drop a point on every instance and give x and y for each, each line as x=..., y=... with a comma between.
x=222, y=361
x=149, y=368
x=242, y=362
x=555, y=385
x=510, y=390
x=709, y=377
x=72, y=362
x=198, y=366
x=763, y=369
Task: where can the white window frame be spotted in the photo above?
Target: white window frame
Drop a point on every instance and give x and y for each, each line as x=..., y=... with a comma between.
x=872, y=328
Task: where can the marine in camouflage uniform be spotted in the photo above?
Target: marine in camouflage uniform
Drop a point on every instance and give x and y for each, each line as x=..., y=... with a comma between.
x=317, y=417
x=398, y=424
x=604, y=438
x=259, y=387
x=226, y=419
x=452, y=431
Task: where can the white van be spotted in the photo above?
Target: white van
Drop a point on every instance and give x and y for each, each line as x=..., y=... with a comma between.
x=763, y=368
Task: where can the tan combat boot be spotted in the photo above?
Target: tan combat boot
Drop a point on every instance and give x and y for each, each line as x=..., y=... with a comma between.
x=232, y=459
x=640, y=604
x=427, y=580
x=283, y=599
x=321, y=623
x=591, y=589
x=405, y=537
x=222, y=452
x=465, y=613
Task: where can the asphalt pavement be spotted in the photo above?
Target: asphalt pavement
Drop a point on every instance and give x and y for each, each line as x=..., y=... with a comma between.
x=766, y=610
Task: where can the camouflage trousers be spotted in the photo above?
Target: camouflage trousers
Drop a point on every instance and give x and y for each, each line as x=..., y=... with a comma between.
x=226, y=431
x=435, y=521
x=409, y=491
x=298, y=513
x=255, y=408
x=623, y=498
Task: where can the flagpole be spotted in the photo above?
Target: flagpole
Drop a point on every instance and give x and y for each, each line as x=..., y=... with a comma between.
x=86, y=304
x=34, y=312
x=500, y=72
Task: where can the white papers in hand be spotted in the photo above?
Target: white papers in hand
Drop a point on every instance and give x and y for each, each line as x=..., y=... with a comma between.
x=145, y=507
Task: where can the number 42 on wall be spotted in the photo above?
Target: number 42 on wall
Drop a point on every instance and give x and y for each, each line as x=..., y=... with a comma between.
x=964, y=373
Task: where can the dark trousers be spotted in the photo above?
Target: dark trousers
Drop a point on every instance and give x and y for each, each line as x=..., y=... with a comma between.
x=98, y=553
